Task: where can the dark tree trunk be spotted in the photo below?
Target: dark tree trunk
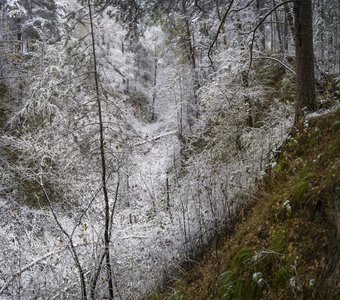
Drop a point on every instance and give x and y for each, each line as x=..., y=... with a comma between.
x=305, y=97
x=154, y=94
x=103, y=162
x=278, y=28
x=337, y=42
x=290, y=19
x=322, y=36
x=286, y=34
x=260, y=10
x=193, y=111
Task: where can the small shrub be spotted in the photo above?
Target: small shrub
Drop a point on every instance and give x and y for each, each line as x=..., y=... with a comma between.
x=242, y=258
x=298, y=192
x=336, y=126
x=240, y=287
x=281, y=277
x=280, y=166
x=279, y=241
x=32, y=193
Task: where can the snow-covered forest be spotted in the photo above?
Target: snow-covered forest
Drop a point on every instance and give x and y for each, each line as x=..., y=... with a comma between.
x=133, y=132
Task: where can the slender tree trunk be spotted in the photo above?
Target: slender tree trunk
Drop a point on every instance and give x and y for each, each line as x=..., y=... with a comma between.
x=322, y=35
x=167, y=185
x=220, y=19
x=245, y=84
x=337, y=41
x=103, y=162
x=259, y=8
x=304, y=58
x=272, y=45
x=278, y=28
x=70, y=240
x=193, y=111
x=180, y=117
x=290, y=19
x=154, y=94
x=286, y=34
x=190, y=46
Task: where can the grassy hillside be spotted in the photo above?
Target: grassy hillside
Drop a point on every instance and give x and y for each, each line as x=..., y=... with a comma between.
x=287, y=247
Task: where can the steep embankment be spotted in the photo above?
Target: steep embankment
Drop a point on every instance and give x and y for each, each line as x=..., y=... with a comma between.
x=288, y=245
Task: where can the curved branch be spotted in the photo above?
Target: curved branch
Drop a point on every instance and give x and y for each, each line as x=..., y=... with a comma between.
x=69, y=237
x=223, y=21
x=219, y=30
x=279, y=61
x=242, y=8
x=199, y=6
x=258, y=25
x=26, y=267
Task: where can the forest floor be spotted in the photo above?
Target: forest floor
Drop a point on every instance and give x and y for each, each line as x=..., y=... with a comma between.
x=287, y=246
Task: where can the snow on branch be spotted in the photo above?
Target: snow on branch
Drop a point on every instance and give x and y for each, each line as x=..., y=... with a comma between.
x=156, y=138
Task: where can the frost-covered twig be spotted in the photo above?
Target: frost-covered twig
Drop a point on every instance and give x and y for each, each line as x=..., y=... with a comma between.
x=28, y=266
x=100, y=263
x=156, y=138
x=279, y=61
x=219, y=30
x=134, y=237
x=70, y=239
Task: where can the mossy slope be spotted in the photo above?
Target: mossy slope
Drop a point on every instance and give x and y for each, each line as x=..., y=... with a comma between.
x=288, y=246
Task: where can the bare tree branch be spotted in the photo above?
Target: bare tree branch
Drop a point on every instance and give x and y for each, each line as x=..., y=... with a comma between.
x=222, y=23
x=199, y=6
x=279, y=61
x=219, y=30
x=70, y=240
x=242, y=8
x=258, y=25
x=28, y=266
